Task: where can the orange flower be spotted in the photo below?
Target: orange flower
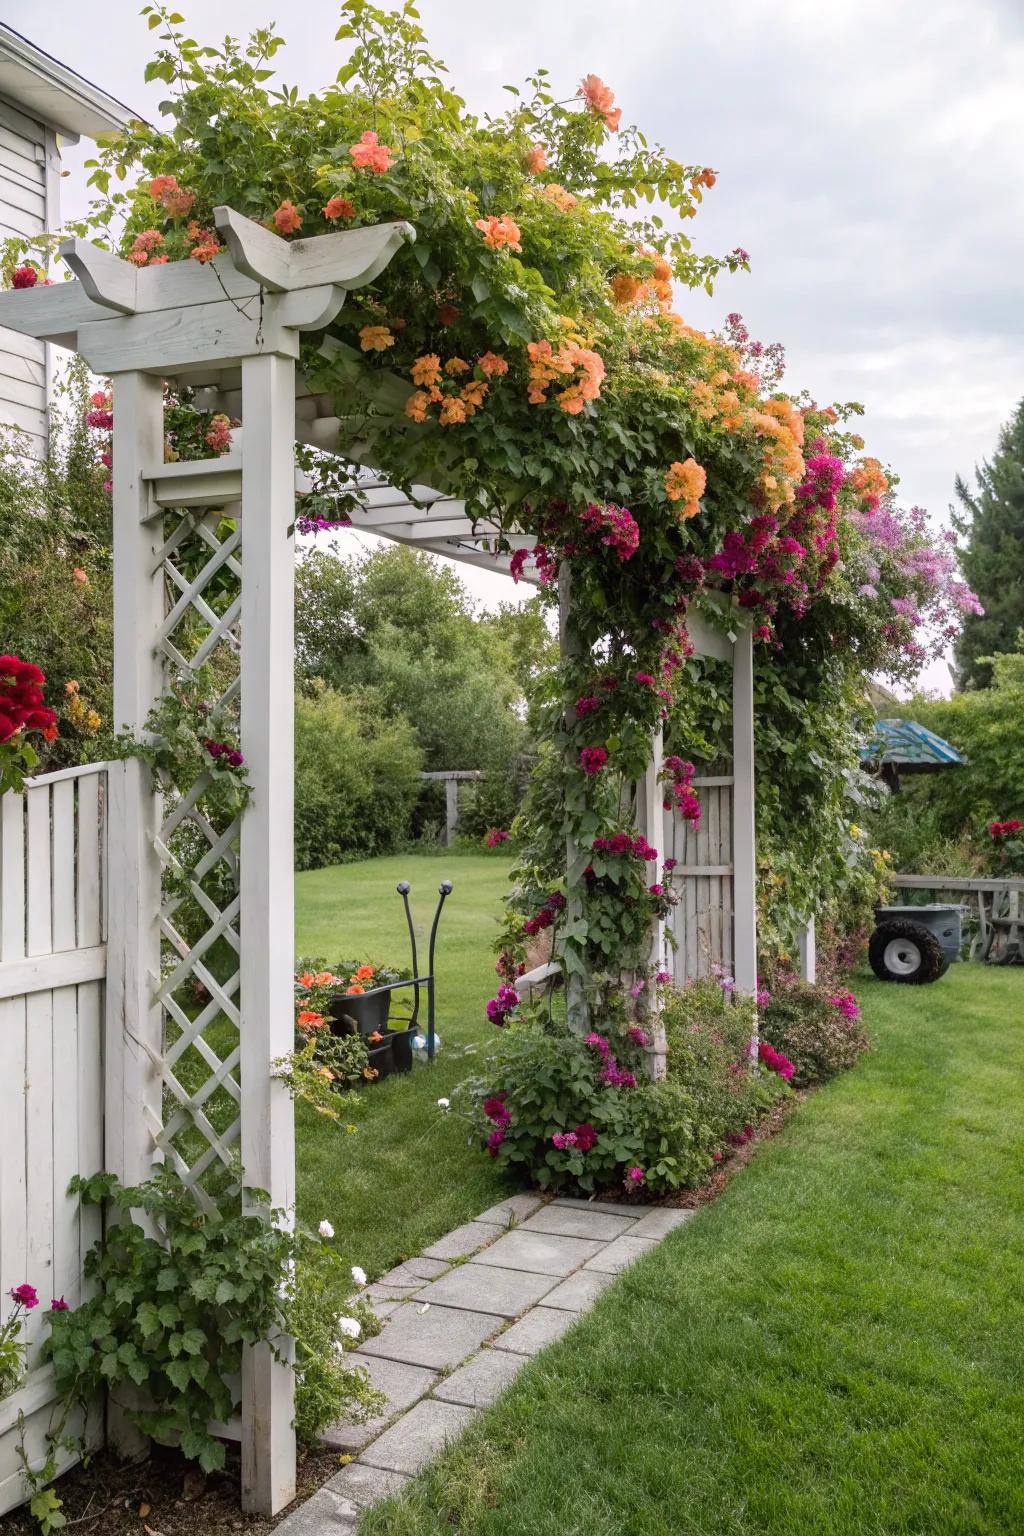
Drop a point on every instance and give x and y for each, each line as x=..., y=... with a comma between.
x=416, y=406
x=455, y=366
x=71, y=687
x=375, y=1038
x=173, y=199
x=599, y=98
x=562, y=199
x=571, y=400
x=340, y=208
x=500, y=232
x=452, y=411
x=354, y=990
x=426, y=370
x=686, y=481
x=371, y=155
x=536, y=159
x=705, y=178
x=323, y=978
x=308, y=1020
x=206, y=252
x=492, y=364
x=473, y=394
x=287, y=218
x=326, y=1072
x=375, y=338
x=371, y=1074
x=626, y=289
x=364, y=973
x=662, y=269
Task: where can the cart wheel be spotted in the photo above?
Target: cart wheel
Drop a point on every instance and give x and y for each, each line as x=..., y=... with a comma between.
x=905, y=951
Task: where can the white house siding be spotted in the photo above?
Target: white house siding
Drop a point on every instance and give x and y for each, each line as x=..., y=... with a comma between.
x=29, y=168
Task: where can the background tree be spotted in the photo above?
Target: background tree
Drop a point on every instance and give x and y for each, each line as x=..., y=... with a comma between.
x=993, y=561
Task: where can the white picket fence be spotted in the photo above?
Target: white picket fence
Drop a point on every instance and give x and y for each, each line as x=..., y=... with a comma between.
x=704, y=919
x=52, y=969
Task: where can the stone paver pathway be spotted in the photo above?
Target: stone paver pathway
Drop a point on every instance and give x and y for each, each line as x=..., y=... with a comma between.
x=460, y=1322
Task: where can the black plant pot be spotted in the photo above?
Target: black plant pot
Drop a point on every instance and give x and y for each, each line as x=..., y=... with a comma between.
x=381, y=1058
x=401, y=1048
x=362, y=1013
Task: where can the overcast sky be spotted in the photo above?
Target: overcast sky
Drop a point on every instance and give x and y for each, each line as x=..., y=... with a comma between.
x=869, y=159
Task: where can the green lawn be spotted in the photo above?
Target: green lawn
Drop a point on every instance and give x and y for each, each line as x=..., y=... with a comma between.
x=407, y=1175
x=833, y=1347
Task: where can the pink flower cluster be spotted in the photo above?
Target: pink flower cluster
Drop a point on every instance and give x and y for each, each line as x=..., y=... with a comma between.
x=775, y=1061
x=221, y=751
x=499, y=1008
x=677, y=777
x=846, y=1003
x=545, y=916
x=614, y=526
x=495, y=836
x=583, y=1138
x=622, y=844
x=612, y=1075
x=496, y=1110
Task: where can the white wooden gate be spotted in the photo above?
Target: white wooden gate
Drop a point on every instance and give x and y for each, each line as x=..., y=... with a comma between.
x=52, y=969
x=702, y=923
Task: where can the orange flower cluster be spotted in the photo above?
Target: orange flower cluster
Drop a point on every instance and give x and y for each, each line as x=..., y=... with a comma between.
x=500, y=232
x=78, y=711
x=547, y=365
x=371, y=155
x=287, y=218
x=308, y=1020
x=375, y=338
x=627, y=289
x=563, y=200
x=536, y=159
x=782, y=425
x=686, y=482
x=143, y=248
x=205, y=245
x=705, y=178
x=599, y=98
x=869, y=482
x=459, y=404
x=339, y=208
x=174, y=200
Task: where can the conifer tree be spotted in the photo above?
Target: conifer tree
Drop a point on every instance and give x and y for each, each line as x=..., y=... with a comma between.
x=992, y=521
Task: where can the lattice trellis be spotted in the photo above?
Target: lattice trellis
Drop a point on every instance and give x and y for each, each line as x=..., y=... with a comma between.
x=198, y=992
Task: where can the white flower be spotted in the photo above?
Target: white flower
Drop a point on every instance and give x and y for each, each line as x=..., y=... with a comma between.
x=349, y=1327
x=358, y=1275
x=325, y=1229
x=443, y=1103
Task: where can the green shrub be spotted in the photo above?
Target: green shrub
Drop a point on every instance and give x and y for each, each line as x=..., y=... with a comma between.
x=356, y=778
x=820, y=1032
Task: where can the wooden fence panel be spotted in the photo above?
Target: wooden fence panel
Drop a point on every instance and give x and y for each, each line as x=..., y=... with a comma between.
x=52, y=965
x=702, y=921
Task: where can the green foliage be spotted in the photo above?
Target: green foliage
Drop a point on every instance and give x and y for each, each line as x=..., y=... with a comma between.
x=947, y=814
x=12, y=1352
x=164, y=1330
x=356, y=777
x=326, y=1388
x=992, y=520
x=813, y=1032
x=708, y=1031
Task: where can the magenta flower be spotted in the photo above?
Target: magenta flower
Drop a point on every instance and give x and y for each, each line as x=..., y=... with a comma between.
x=635, y=1175
x=592, y=759
x=25, y=1296
x=58, y=1304
x=637, y=1035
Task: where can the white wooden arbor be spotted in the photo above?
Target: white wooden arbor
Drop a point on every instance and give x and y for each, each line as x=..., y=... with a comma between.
x=232, y=329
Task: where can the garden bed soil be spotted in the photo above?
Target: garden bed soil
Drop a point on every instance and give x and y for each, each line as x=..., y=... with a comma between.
x=167, y=1495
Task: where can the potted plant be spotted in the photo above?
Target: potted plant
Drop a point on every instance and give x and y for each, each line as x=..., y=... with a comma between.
x=355, y=995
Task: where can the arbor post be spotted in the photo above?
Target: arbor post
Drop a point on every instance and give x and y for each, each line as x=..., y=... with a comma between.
x=267, y=915
x=744, y=860
x=576, y=1007
x=808, y=951
x=652, y=824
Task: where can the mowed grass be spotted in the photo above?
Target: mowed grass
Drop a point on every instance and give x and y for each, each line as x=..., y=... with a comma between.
x=406, y=1175
x=833, y=1347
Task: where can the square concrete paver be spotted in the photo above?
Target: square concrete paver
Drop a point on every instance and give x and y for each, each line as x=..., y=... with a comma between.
x=413, y=1271
x=483, y=1288
x=512, y=1208
x=378, y=1291
x=402, y=1384
x=660, y=1221
x=418, y=1436
x=481, y=1380
x=570, y=1221
x=465, y=1239
x=579, y=1292
x=325, y=1514
x=624, y=1250
x=609, y=1207
x=366, y=1485
x=541, y=1253
x=438, y=1338
x=541, y=1326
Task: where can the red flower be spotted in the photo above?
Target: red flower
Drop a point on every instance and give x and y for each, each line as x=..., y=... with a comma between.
x=586, y=1136
x=24, y=277
x=592, y=759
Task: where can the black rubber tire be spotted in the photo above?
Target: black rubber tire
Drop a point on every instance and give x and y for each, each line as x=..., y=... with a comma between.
x=933, y=962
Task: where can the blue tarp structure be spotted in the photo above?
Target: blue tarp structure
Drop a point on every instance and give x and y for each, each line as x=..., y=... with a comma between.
x=907, y=747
